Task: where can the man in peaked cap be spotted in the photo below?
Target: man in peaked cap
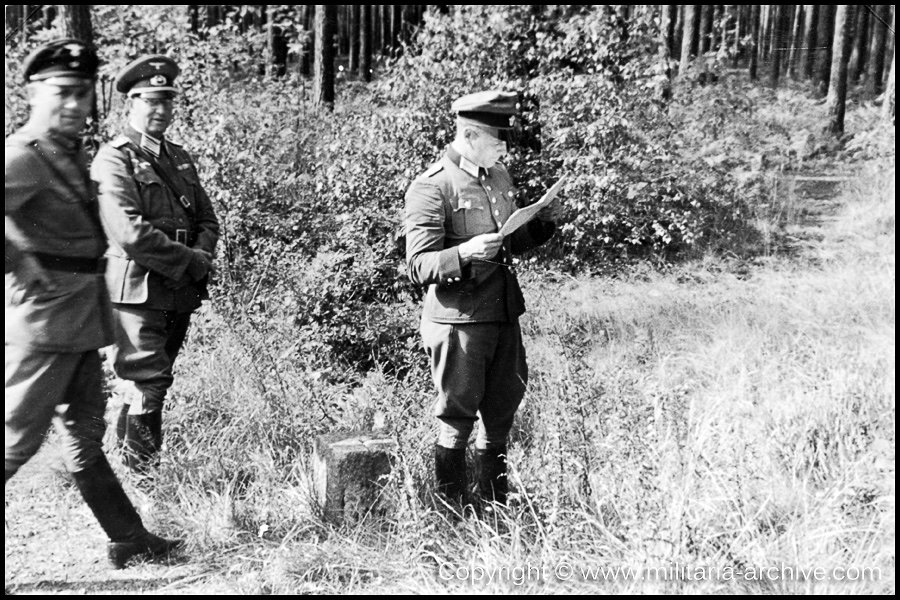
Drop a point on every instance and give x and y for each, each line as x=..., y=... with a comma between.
x=162, y=235
x=470, y=327
x=57, y=307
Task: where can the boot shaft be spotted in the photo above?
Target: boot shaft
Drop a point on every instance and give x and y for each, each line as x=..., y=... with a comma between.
x=450, y=473
x=493, y=484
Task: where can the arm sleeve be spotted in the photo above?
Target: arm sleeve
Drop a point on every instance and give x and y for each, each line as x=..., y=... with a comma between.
x=120, y=210
x=427, y=259
x=22, y=174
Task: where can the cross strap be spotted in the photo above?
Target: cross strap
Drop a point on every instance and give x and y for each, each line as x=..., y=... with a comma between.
x=168, y=181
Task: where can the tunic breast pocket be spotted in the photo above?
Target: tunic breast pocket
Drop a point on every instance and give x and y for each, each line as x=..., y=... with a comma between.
x=470, y=215
x=153, y=195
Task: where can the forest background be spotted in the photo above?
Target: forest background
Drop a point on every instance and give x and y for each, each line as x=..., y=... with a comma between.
x=710, y=333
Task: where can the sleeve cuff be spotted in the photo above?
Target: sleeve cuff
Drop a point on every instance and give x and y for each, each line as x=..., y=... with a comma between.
x=450, y=269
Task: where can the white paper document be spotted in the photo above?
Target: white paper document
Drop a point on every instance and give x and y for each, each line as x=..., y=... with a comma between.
x=523, y=215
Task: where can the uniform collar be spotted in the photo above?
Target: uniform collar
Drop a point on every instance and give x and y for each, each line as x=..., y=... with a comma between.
x=465, y=164
x=69, y=145
x=144, y=141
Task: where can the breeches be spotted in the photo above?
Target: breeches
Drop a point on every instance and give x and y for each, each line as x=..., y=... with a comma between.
x=147, y=343
x=65, y=389
x=479, y=369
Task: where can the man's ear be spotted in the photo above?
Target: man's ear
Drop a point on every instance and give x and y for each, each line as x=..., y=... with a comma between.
x=30, y=92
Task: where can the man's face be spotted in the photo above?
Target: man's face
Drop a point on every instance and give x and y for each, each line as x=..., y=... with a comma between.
x=62, y=108
x=487, y=147
x=151, y=115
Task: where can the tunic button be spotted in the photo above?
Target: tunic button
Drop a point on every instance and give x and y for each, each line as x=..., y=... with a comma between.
x=488, y=188
x=494, y=200
x=497, y=212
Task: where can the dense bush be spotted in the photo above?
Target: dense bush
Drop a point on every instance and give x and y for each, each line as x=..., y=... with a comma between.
x=591, y=95
x=311, y=201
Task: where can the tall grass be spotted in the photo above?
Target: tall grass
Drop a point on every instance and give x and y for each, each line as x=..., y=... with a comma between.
x=694, y=418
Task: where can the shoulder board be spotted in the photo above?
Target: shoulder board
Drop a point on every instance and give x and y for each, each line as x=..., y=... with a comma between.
x=20, y=139
x=119, y=142
x=433, y=170
x=174, y=143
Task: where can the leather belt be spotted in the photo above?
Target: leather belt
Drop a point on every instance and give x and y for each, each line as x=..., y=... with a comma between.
x=72, y=264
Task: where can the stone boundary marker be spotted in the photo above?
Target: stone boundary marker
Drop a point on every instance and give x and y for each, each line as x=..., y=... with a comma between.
x=347, y=471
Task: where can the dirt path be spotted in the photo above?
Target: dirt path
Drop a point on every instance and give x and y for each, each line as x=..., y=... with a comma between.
x=54, y=544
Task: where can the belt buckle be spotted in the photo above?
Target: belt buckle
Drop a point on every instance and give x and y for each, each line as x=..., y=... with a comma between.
x=181, y=236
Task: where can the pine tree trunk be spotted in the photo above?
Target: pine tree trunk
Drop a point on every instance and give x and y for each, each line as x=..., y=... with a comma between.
x=375, y=27
x=194, y=18
x=355, y=31
x=48, y=15
x=307, y=18
x=844, y=21
x=825, y=35
x=765, y=32
x=76, y=22
x=669, y=14
x=735, y=22
x=679, y=31
x=861, y=41
x=807, y=55
x=876, y=62
x=797, y=19
x=688, y=36
x=396, y=24
x=666, y=42
x=782, y=23
x=889, y=44
x=889, y=105
x=365, y=42
x=695, y=31
x=706, y=32
x=755, y=30
x=323, y=64
x=14, y=18
x=407, y=21
x=387, y=40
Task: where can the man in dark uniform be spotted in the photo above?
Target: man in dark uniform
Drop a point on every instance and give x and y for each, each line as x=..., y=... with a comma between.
x=470, y=325
x=57, y=307
x=163, y=233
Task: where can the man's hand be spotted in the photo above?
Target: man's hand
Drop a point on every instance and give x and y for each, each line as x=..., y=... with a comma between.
x=200, y=265
x=31, y=273
x=551, y=212
x=177, y=284
x=480, y=247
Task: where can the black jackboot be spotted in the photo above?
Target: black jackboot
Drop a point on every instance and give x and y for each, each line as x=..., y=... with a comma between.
x=122, y=424
x=450, y=473
x=107, y=500
x=143, y=440
x=491, y=473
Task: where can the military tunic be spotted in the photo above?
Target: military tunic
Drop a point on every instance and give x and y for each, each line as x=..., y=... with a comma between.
x=53, y=368
x=470, y=317
x=152, y=230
